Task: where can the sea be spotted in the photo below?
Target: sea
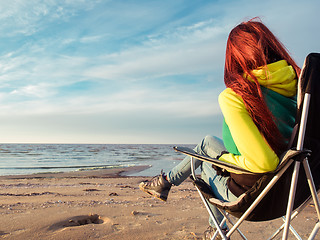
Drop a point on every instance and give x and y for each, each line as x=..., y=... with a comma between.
x=20, y=159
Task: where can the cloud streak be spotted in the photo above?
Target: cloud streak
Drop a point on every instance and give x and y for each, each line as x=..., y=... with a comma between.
x=187, y=52
x=115, y=70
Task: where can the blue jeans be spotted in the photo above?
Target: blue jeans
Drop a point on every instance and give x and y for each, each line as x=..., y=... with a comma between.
x=212, y=147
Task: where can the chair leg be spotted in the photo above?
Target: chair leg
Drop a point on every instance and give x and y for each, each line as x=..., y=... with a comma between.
x=314, y=197
x=293, y=231
x=293, y=188
x=314, y=231
x=286, y=226
x=205, y=202
x=231, y=222
x=259, y=198
x=297, y=211
x=312, y=186
x=211, y=214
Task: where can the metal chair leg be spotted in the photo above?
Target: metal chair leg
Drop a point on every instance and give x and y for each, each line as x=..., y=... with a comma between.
x=292, y=193
x=206, y=202
x=314, y=231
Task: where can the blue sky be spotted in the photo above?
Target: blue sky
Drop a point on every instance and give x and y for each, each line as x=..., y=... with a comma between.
x=124, y=71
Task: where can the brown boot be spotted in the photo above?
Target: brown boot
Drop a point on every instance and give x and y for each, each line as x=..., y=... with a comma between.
x=158, y=187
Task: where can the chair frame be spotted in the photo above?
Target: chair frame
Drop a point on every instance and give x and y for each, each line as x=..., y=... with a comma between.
x=293, y=188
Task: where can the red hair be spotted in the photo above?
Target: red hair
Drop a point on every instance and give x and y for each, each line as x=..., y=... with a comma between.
x=251, y=45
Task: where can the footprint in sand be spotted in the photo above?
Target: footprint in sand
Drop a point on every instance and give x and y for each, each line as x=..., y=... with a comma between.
x=79, y=221
x=83, y=220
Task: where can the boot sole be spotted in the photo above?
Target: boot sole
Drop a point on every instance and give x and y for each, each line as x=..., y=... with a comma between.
x=154, y=194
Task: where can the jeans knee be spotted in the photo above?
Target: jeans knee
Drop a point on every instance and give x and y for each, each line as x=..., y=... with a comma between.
x=211, y=146
x=204, y=144
x=213, y=141
x=208, y=139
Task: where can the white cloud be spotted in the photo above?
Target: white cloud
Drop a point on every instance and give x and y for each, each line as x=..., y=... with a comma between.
x=28, y=17
x=39, y=91
x=189, y=50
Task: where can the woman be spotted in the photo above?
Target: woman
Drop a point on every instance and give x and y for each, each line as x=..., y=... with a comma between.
x=258, y=105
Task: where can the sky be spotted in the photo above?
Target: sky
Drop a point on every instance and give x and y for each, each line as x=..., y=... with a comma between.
x=125, y=71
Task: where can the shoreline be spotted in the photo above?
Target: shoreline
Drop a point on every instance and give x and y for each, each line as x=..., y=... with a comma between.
x=98, y=173
x=108, y=204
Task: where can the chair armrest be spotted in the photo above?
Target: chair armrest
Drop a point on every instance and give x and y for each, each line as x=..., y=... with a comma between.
x=224, y=165
x=292, y=154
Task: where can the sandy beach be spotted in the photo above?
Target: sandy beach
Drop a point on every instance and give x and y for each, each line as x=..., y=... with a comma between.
x=106, y=204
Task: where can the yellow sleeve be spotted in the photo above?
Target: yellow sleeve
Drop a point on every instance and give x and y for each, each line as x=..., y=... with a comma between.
x=256, y=154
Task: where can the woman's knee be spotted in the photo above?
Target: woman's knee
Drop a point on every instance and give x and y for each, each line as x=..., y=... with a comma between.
x=211, y=146
x=208, y=138
x=212, y=142
x=207, y=141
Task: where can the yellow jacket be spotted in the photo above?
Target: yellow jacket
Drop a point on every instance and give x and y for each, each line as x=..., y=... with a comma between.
x=255, y=153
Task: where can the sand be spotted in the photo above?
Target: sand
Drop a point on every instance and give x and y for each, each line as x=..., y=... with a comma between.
x=106, y=204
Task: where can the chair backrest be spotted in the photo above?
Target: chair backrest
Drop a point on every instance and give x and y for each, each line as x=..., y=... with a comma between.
x=274, y=203
x=310, y=84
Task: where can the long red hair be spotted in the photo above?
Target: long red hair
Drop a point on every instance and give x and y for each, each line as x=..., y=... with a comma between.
x=251, y=45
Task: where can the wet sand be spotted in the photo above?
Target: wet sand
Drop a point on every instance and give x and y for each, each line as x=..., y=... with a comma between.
x=106, y=204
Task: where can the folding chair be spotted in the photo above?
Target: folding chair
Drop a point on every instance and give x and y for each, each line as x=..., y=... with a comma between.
x=288, y=188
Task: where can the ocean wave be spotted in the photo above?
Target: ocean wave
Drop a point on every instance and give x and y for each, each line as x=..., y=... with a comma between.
x=73, y=167
x=106, y=167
